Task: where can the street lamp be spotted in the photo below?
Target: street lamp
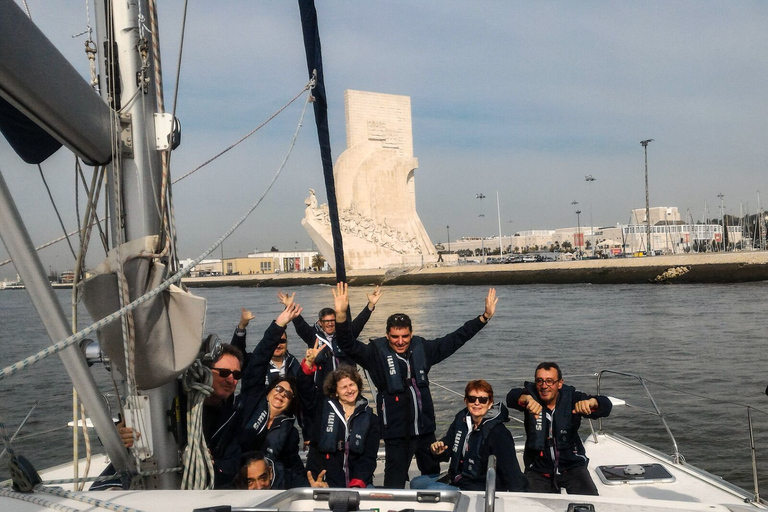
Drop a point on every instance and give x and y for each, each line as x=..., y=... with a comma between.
x=578, y=230
x=589, y=179
x=481, y=196
x=645, y=143
x=722, y=219
x=448, y=229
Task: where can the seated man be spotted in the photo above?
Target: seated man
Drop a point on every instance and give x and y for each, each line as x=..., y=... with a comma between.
x=554, y=455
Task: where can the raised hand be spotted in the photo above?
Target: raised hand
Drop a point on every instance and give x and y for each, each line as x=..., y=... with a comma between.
x=313, y=352
x=341, y=302
x=374, y=297
x=285, y=299
x=245, y=318
x=288, y=314
x=126, y=434
x=585, y=407
x=490, y=304
x=438, y=447
x=319, y=482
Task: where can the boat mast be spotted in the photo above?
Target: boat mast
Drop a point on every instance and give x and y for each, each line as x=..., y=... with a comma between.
x=128, y=83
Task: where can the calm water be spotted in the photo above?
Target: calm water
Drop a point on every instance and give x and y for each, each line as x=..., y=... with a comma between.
x=701, y=348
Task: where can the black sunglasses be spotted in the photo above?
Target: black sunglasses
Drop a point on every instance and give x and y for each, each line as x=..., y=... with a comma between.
x=226, y=372
x=281, y=389
x=472, y=399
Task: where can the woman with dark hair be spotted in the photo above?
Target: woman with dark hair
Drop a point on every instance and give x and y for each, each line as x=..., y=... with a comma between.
x=477, y=432
x=346, y=442
x=271, y=430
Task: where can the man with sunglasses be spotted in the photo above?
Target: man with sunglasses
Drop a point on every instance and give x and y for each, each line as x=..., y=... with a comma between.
x=554, y=454
x=399, y=365
x=220, y=414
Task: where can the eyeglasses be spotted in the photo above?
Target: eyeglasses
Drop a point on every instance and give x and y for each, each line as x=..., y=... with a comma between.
x=280, y=389
x=471, y=399
x=226, y=372
x=547, y=382
x=332, y=321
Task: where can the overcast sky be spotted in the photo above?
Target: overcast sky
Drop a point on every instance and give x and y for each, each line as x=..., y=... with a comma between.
x=523, y=98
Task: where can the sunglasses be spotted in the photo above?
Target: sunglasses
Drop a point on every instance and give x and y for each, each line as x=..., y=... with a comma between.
x=471, y=399
x=288, y=394
x=226, y=372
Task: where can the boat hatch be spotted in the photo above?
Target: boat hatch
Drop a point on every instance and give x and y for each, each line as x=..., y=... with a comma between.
x=634, y=474
x=363, y=500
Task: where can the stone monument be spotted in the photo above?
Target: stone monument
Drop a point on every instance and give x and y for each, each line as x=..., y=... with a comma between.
x=375, y=189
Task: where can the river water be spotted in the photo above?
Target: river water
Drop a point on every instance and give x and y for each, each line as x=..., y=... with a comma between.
x=701, y=349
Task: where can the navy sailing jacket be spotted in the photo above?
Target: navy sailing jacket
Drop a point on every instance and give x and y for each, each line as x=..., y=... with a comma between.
x=470, y=448
x=332, y=356
x=403, y=401
x=567, y=452
x=346, y=449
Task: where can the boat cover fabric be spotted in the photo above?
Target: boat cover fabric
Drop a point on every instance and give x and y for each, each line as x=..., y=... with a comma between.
x=33, y=144
x=169, y=327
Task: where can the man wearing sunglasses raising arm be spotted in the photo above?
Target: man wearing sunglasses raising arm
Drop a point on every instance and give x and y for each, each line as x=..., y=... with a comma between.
x=399, y=365
x=554, y=454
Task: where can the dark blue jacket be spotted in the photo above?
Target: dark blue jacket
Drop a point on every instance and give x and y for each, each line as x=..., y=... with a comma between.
x=541, y=454
x=469, y=457
x=347, y=450
x=404, y=408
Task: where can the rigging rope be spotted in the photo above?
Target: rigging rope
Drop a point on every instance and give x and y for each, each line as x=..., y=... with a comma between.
x=71, y=340
x=55, y=209
x=198, y=465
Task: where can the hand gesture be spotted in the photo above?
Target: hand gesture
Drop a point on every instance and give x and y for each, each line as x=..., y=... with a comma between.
x=530, y=404
x=320, y=479
x=341, y=302
x=288, y=314
x=437, y=448
x=245, y=318
x=374, y=297
x=313, y=352
x=585, y=407
x=490, y=303
x=285, y=299
x=126, y=434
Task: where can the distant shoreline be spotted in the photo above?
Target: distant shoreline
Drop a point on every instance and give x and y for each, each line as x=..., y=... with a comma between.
x=686, y=268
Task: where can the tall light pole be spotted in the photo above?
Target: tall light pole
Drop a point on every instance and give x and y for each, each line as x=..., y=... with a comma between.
x=448, y=229
x=481, y=196
x=645, y=143
x=498, y=213
x=722, y=218
x=589, y=179
x=578, y=226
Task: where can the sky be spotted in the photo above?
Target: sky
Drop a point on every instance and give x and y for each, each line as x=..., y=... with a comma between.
x=523, y=99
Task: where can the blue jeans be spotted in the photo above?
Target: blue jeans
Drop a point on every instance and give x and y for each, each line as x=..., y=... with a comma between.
x=430, y=482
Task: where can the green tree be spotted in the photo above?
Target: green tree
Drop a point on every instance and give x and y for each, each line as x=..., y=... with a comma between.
x=318, y=261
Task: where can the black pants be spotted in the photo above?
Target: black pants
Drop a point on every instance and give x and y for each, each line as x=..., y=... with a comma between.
x=574, y=481
x=399, y=452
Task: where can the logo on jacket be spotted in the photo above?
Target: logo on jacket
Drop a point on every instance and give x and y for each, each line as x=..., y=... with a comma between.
x=456, y=442
x=260, y=420
x=391, y=365
x=331, y=420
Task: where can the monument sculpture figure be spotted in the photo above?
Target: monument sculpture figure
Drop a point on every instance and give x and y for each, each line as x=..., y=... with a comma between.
x=375, y=188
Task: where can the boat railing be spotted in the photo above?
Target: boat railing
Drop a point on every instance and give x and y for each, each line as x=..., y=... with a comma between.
x=677, y=457
x=490, y=485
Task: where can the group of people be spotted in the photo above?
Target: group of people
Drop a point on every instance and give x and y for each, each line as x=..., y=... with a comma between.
x=255, y=444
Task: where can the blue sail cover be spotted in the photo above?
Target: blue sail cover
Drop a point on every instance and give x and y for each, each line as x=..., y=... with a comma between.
x=28, y=140
x=315, y=63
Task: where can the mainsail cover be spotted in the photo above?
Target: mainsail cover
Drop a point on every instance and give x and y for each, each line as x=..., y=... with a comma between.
x=315, y=64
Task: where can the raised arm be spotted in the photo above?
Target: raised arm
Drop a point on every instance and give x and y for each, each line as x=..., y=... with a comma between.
x=239, y=336
x=359, y=352
x=258, y=364
x=358, y=324
x=304, y=330
x=441, y=348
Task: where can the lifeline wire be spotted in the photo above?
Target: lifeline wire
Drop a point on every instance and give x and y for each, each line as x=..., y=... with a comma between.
x=71, y=340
